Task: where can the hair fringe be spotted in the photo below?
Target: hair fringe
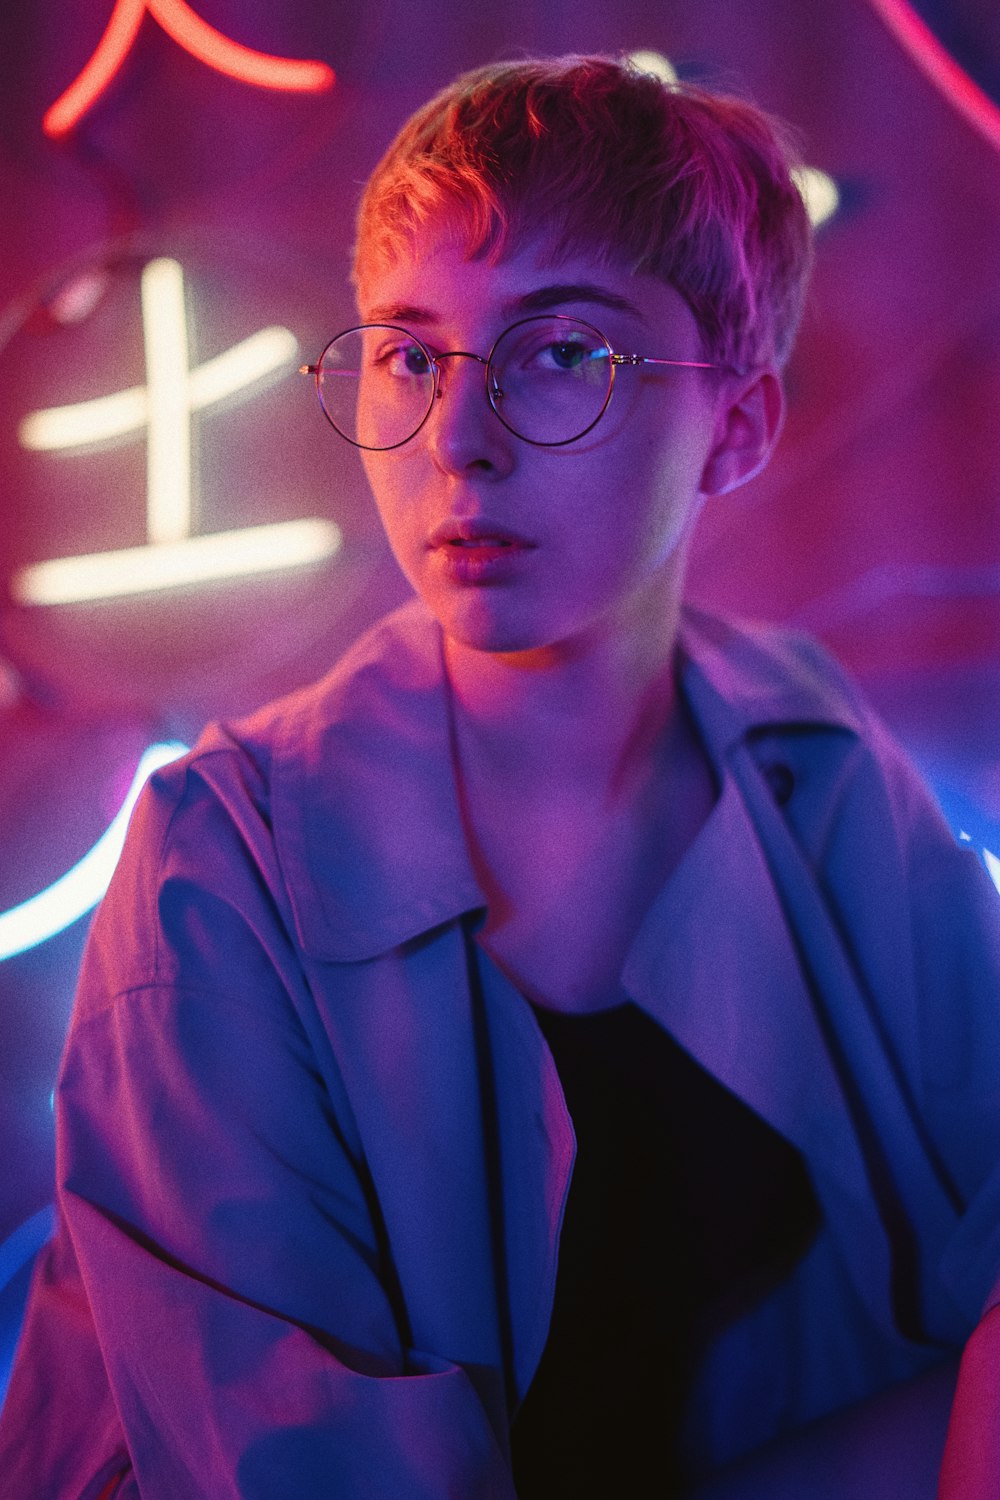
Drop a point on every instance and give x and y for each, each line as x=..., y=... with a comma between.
x=691, y=187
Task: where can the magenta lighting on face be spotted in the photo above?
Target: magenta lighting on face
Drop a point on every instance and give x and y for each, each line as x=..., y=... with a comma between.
x=196, y=36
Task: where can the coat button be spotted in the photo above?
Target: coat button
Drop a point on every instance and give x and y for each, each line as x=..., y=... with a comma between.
x=780, y=779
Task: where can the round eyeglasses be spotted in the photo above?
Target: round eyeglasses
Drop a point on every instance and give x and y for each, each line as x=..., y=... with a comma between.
x=549, y=379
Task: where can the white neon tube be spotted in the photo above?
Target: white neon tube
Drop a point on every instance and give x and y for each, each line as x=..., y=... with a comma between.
x=195, y=559
x=168, y=449
x=234, y=369
x=109, y=417
x=86, y=422
x=74, y=894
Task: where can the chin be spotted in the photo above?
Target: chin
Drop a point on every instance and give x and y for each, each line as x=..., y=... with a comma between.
x=495, y=642
x=535, y=646
x=477, y=624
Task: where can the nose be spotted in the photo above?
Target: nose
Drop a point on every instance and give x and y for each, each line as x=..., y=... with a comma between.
x=463, y=433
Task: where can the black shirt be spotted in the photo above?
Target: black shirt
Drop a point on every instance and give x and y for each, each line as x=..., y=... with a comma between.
x=685, y=1207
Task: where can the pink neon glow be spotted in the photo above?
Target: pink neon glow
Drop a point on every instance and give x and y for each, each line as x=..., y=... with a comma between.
x=941, y=68
x=196, y=36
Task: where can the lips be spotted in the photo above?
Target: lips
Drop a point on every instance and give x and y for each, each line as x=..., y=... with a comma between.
x=470, y=534
x=477, y=552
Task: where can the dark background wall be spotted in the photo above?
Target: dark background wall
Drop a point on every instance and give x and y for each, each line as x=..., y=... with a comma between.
x=876, y=526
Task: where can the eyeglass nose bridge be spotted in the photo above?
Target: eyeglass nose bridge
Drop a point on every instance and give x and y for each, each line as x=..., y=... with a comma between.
x=457, y=354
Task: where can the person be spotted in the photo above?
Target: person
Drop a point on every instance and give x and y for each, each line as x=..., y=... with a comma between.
x=556, y=1054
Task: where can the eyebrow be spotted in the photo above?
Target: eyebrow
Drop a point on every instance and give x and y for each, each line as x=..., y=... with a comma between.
x=572, y=291
x=540, y=300
x=401, y=312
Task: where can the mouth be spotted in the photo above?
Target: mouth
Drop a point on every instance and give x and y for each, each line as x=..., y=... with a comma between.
x=468, y=535
x=481, y=541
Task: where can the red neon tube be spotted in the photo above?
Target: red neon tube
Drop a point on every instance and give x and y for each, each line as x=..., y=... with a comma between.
x=940, y=67
x=196, y=36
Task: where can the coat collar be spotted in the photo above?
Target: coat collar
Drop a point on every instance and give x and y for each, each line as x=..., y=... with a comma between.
x=742, y=680
x=364, y=805
x=365, y=808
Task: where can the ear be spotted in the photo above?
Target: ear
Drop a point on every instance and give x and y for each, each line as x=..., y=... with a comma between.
x=748, y=419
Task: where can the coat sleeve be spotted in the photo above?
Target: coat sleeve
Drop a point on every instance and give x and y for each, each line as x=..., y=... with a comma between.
x=950, y=1046
x=216, y=1202
x=955, y=924
x=918, y=918
x=958, y=958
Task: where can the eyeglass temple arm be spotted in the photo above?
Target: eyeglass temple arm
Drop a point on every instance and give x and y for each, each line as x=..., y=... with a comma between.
x=616, y=359
x=648, y=359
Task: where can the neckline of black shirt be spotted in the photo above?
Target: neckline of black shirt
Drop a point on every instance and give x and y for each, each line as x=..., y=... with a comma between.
x=684, y=1209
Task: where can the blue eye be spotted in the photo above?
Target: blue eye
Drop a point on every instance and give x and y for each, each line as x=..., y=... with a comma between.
x=544, y=350
x=568, y=355
x=415, y=360
x=403, y=360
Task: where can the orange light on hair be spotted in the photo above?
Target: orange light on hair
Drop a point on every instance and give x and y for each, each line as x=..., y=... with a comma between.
x=196, y=36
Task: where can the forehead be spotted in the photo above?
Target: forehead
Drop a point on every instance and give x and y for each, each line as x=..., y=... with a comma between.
x=433, y=279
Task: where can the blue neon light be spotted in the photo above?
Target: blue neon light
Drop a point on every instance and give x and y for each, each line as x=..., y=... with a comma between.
x=78, y=891
x=25, y=1241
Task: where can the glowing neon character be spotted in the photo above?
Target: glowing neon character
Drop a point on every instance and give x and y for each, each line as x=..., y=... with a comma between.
x=196, y=36
x=164, y=406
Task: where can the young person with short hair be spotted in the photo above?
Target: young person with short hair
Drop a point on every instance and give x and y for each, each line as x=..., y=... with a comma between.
x=555, y=1055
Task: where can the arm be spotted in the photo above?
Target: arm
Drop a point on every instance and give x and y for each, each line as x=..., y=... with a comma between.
x=219, y=1210
x=886, y=1446
x=972, y=1455
x=956, y=927
x=234, y=1282
x=930, y=962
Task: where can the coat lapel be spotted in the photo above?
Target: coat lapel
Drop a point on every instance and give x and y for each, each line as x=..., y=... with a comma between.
x=472, y=1208
x=715, y=964
x=536, y=1151
x=404, y=1036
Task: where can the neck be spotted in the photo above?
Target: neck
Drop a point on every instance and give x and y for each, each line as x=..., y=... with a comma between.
x=586, y=714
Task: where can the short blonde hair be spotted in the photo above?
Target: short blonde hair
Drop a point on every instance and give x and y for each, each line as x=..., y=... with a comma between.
x=692, y=187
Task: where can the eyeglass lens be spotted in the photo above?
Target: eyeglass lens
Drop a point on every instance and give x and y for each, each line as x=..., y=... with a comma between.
x=548, y=380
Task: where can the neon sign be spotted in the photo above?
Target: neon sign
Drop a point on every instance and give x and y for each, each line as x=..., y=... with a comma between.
x=163, y=407
x=936, y=62
x=70, y=897
x=196, y=36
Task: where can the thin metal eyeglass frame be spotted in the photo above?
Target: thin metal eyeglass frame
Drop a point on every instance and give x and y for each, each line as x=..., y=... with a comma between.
x=492, y=388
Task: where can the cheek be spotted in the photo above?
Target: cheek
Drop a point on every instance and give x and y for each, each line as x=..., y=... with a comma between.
x=656, y=499
x=389, y=490
x=678, y=457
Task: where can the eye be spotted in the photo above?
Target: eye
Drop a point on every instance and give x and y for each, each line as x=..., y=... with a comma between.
x=555, y=350
x=402, y=360
x=567, y=355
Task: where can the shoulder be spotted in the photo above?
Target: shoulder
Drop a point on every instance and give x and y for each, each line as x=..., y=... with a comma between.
x=216, y=841
x=808, y=726
x=235, y=766
x=771, y=673
x=397, y=659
